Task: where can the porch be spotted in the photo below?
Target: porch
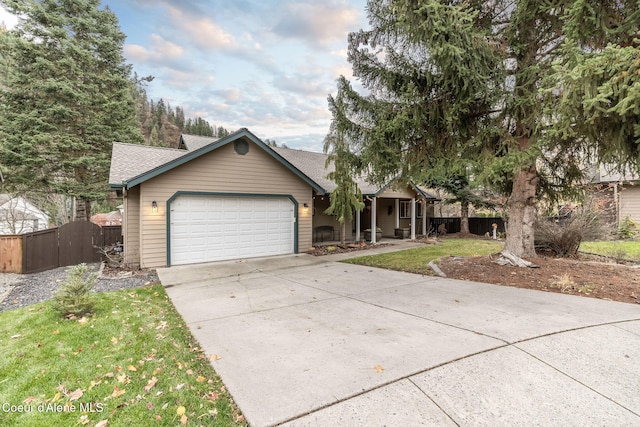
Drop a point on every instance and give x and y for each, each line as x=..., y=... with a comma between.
x=395, y=212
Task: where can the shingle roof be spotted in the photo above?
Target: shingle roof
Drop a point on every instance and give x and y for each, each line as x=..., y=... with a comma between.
x=131, y=160
x=194, y=142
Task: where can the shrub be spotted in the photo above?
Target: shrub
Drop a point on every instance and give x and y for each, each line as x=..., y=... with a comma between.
x=628, y=229
x=563, y=237
x=74, y=295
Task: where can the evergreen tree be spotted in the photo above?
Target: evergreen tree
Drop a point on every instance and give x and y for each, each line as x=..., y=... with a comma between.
x=346, y=197
x=457, y=81
x=68, y=99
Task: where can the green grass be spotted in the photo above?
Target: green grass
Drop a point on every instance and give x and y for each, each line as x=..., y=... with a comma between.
x=626, y=249
x=417, y=260
x=133, y=363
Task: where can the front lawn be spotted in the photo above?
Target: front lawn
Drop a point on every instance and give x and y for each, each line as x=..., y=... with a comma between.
x=134, y=363
x=417, y=260
x=625, y=249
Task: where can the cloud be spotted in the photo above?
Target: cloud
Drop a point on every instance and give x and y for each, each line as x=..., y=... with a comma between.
x=203, y=32
x=317, y=23
x=160, y=52
x=8, y=19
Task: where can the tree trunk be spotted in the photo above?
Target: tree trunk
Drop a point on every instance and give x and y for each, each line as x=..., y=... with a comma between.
x=522, y=214
x=464, y=217
x=343, y=233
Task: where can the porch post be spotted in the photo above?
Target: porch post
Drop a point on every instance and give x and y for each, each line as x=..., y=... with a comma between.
x=413, y=218
x=424, y=217
x=374, y=227
x=358, y=226
x=397, y=213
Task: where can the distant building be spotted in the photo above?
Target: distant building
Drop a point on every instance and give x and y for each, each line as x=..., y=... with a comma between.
x=18, y=215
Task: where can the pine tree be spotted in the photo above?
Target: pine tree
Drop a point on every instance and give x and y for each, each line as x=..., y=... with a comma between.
x=68, y=99
x=457, y=81
x=346, y=197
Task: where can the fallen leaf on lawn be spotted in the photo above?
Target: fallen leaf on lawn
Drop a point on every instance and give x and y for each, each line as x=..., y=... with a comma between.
x=131, y=368
x=189, y=372
x=183, y=420
x=102, y=423
x=29, y=399
x=84, y=420
x=114, y=340
x=56, y=397
x=152, y=382
x=181, y=410
x=109, y=375
x=76, y=395
x=56, y=332
x=378, y=368
x=118, y=368
x=162, y=326
x=149, y=406
x=214, y=357
x=117, y=392
x=158, y=418
x=156, y=371
x=62, y=355
x=83, y=320
x=16, y=336
x=201, y=379
x=179, y=386
x=165, y=406
x=92, y=384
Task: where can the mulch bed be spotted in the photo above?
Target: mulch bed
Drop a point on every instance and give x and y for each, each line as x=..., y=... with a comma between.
x=339, y=249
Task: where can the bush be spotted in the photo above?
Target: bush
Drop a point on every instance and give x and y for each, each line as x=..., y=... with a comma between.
x=74, y=297
x=563, y=237
x=628, y=229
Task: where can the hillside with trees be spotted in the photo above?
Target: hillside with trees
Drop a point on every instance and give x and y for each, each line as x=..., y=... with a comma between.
x=161, y=124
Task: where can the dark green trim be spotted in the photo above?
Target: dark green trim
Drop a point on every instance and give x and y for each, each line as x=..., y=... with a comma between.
x=242, y=133
x=244, y=195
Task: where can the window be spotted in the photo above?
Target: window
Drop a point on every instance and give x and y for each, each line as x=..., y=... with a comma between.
x=405, y=208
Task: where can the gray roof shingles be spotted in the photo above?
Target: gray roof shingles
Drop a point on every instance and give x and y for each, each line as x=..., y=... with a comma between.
x=131, y=160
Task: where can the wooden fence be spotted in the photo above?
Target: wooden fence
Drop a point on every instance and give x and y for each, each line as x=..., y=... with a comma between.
x=70, y=244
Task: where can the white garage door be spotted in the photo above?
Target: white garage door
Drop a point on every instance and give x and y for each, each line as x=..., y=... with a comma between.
x=214, y=228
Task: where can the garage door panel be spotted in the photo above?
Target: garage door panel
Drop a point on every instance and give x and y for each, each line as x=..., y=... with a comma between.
x=212, y=228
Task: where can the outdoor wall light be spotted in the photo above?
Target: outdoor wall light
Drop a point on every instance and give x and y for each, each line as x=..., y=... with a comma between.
x=154, y=206
x=306, y=205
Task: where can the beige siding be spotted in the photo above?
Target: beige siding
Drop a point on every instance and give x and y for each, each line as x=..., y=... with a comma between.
x=630, y=202
x=221, y=171
x=131, y=227
x=399, y=193
x=321, y=203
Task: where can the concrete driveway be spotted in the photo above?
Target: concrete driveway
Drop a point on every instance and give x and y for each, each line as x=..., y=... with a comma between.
x=308, y=341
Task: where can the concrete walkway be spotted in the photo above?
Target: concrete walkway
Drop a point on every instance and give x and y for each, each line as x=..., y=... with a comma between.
x=307, y=341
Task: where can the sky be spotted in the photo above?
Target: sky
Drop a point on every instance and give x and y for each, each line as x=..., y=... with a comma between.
x=267, y=65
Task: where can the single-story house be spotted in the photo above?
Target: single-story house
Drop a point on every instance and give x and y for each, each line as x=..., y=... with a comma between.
x=236, y=197
x=620, y=192
x=18, y=215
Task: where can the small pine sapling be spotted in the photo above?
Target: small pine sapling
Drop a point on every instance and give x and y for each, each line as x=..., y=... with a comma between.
x=74, y=297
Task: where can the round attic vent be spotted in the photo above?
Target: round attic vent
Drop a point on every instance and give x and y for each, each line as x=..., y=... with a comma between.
x=241, y=146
